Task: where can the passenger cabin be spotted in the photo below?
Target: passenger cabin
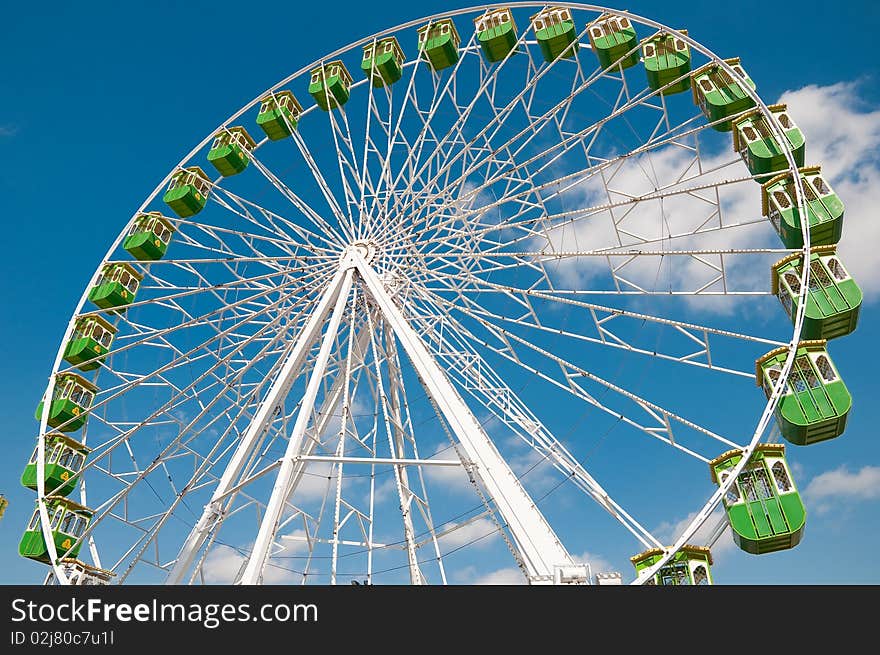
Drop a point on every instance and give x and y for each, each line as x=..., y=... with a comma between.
x=833, y=298
x=614, y=41
x=763, y=505
x=667, y=63
x=149, y=236
x=229, y=152
x=556, y=34
x=116, y=287
x=64, y=460
x=438, y=43
x=824, y=208
x=330, y=85
x=815, y=402
x=496, y=33
x=689, y=566
x=89, y=343
x=383, y=61
x=188, y=191
x=80, y=574
x=279, y=113
x=3, y=505
x=67, y=521
x=721, y=95
x=72, y=396
x=759, y=146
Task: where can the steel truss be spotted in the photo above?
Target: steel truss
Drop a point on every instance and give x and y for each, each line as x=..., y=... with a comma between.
x=466, y=232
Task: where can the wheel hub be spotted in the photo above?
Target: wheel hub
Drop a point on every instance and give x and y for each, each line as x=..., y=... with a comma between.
x=364, y=248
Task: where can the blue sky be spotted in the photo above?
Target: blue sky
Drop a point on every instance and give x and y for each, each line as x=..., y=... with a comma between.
x=99, y=102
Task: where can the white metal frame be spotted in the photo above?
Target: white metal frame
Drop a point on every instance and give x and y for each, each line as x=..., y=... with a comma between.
x=307, y=269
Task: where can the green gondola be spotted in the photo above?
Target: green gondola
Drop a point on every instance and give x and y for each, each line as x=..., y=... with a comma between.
x=229, y=152
x=613, y=39
x=719, y=95
x=760, y=148
x=188, y=191
x=72, y=396
x=667, y=62
x=555, y=32
x=689, y=566
x=149, y=236
x=496, y=33
x=816, y=403
x=90, y=342
x=68, y=521
x=383, y=62
x=330, y=85
x=833, y=299
x=438, y=43
x=279, y=113
x=824, y=208
x=763, y=506
x=116, y=287
x=64, y=460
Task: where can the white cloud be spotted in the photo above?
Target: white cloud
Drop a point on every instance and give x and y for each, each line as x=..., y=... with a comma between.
x=843, y=135
x=669, y=532
x=451, y=478
x=513, y=575
x=797, y=469
x=223, y=564
x=477, y=534
x=294, y=542
x=841, y=484
x=387, y=488
x=314, y=481
x=506, y=576
x=671, y=168
x=598, y=564
x=533, y=469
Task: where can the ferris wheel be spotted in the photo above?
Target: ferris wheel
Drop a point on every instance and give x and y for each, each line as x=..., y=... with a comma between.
x=496, y=283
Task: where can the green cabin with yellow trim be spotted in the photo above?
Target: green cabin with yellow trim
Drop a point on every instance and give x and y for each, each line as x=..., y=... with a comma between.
x=229, y=152
x=833, y=298
x=68, y=522
x=613, y=39
x=72, y=396
x=721, y=95
x=279, y=114
x=824, y=208
x=90, y=342
x=65, y=458
x=496, y=33
x=383, y=62
x=689, y=566
x=667, y=61
x=116, y=287
x=759, y=146
x=556, y=34
x=187, y=191
x=815, y=403
x=763, y=506
x=330, y=85
x=149, y=236
x=438, y=43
